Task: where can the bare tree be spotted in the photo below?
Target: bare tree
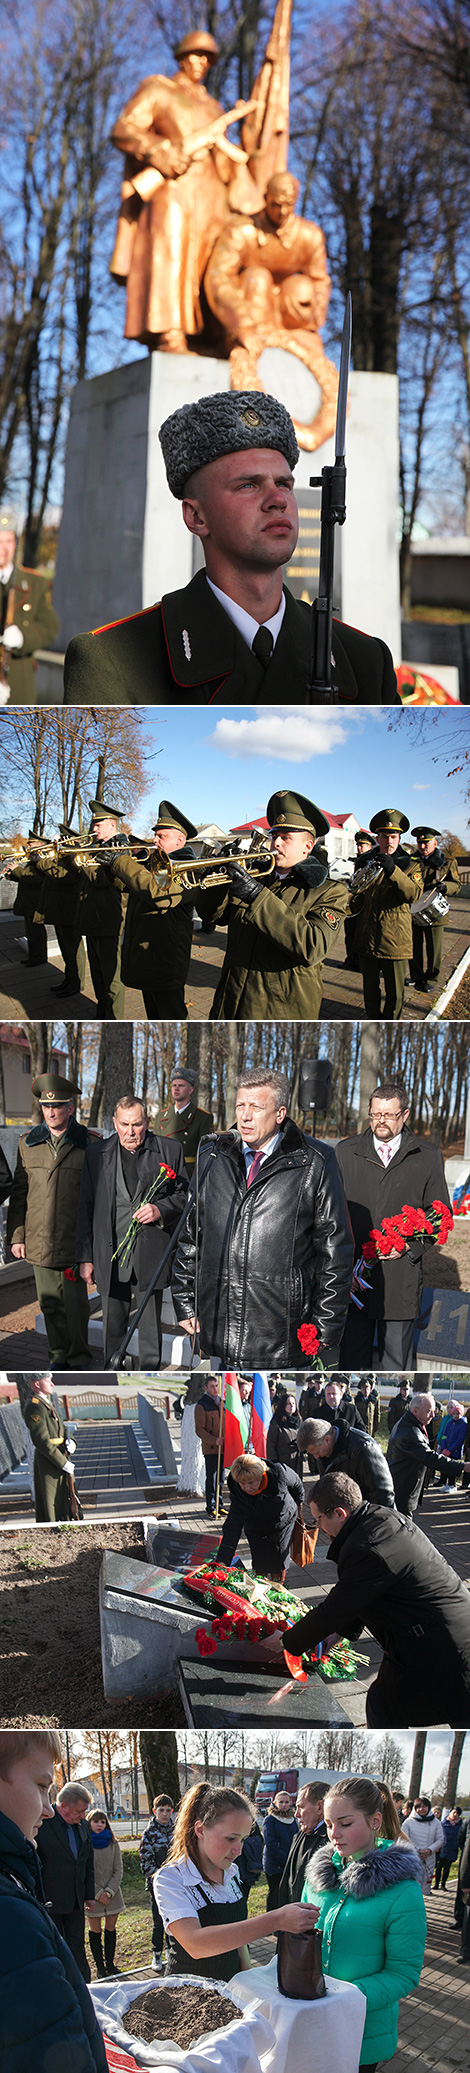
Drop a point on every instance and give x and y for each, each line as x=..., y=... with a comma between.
x=159, y=1759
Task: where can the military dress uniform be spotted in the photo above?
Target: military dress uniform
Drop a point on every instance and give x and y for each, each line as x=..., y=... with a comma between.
x=42, y=1216
x=279, y=929
x=383, y=939
x=30, y=903
x=100, y=920
x=158, y=931
x=188, y=1125
x=26, y=602
x=51, y=1484
x=436, y=870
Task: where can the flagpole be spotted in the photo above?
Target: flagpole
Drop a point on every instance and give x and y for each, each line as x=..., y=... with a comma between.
x=220, y=1451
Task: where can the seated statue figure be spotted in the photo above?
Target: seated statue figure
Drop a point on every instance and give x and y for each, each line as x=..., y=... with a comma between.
x=267, y=282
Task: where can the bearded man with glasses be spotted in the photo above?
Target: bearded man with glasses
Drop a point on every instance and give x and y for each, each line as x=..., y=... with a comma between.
x=384, y=1169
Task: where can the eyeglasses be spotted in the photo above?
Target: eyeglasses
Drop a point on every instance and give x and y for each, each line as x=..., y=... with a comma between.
x=389, y=1115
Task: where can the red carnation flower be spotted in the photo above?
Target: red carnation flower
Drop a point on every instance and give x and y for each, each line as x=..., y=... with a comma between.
x=206, y=1644
x=168, y=1170
x=308, y=1338
x=70, y=1274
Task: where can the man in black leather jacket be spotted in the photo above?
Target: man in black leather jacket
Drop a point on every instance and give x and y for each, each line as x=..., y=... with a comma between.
x=275, y=1244
x=343, y=1446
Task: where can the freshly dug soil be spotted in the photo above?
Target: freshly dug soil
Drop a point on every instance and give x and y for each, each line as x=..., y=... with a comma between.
x=50, y=1656
x=184, y=2014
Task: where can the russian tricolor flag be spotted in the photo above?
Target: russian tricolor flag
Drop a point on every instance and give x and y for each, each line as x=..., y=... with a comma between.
x=261, y=1415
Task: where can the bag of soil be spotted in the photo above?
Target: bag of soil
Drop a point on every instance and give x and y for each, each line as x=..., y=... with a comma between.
x=236, y=2049
x=299, y=1973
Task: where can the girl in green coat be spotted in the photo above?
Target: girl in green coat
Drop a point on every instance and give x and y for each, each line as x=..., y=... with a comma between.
x=372, y=1916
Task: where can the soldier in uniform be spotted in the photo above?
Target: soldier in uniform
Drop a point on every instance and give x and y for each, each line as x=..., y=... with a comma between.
x=280, y=929
x=101, y=913
x=436, y=870
x=27, y=620
x=181, y=1117
x=156, y=946
x=53, y=1468
x=30, y=901
x=232, y=633
x=364, y=844
x=42, y=1218
x=67, y=924
x=383, y=939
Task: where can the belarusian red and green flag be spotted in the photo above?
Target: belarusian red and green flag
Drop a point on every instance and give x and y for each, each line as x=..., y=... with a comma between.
x=236, y=1421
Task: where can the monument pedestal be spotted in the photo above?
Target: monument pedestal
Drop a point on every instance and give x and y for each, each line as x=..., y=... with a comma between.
x=123, y=541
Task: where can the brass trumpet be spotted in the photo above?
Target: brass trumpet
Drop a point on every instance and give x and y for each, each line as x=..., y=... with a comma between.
x=366, y=877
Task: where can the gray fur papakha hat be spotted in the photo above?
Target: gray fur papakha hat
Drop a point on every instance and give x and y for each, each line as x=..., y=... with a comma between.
x=231, y=423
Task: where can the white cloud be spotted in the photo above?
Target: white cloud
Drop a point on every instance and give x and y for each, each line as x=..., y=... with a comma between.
x=292, y=735
x=421, y=788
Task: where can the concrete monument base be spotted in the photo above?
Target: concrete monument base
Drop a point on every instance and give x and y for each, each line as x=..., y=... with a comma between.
x=123, y=541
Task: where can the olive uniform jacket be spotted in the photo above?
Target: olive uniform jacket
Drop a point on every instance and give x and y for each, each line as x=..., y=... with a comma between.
x=273, y=965
x=30, y=608
x=187, y=651
x=158, y=933
x=439, y=870
x=382, y=914
x=50, y=1457
x=188, y=1127
x=43, y=1206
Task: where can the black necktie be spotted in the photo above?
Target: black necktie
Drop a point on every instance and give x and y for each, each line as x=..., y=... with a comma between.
x=262, y=646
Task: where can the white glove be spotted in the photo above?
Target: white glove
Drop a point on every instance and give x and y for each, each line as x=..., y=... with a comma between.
x=71, y=1446
x=13, y=638
x=68, y=1468
x=5, y=694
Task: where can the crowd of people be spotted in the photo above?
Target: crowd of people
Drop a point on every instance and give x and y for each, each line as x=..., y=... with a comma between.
x=352, y=1842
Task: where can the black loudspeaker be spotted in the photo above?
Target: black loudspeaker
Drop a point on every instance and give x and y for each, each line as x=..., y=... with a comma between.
x=315, y=1083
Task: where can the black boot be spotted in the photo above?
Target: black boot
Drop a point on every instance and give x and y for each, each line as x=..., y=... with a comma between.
x=94, y=1939
x=109, y=1949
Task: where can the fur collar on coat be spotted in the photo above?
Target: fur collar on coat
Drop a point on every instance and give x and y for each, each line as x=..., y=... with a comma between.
x=366, y=1876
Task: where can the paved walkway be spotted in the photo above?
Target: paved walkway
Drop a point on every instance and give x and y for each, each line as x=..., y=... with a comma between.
x=30, y=993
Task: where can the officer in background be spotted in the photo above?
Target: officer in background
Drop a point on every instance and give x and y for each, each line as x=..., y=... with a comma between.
x=158, y=932
x=27, y=619
x=181, y=1117
x=42, y=1218
x=364, y=845
x=384, y=937
x=437, y=870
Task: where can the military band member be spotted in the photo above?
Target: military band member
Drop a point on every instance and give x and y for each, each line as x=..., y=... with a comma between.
x=436, y=870
x=181, y=1117
x=53, y=1467
x=30, y=900
x=42, y=1218
x=156, y=947
x=233, y=632
x=101, y=913
x=383, y=939
x=67, y=922
x=280, y=928
x=364, y=844
x=27, y=620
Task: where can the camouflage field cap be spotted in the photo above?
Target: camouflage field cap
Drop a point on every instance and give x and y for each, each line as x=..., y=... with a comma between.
x=290, y=810
x=50, y=1087
x=389, y=821
x=232, y=423
x=170, y=816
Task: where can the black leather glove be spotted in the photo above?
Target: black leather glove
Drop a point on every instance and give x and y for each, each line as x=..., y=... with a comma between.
x=244, y=886
x=388, y=865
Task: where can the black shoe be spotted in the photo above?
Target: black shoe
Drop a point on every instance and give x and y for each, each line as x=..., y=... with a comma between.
x=33, y=962
x=68, y=990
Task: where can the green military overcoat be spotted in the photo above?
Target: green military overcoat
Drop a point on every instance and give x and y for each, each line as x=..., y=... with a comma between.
x=43, y=1205
x=29, y=607
x=188, y=1128
x=156, y=945
x=51, y=1485
x=382, y=910
x=273, y=965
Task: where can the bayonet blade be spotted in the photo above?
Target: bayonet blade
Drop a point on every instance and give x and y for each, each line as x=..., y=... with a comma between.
x=340, y=434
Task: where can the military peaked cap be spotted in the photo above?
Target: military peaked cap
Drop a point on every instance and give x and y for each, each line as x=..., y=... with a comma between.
x=428, y=833
x=364, y=835
x=226, y=423
x=101, y=812
x=50, y=1087
x=170, y=816
x=198, y=40
x=389, y=821
x=290, y=810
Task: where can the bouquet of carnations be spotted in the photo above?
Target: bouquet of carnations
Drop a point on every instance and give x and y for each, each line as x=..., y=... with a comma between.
x=393, y=1236
x=252, y=1608
x=309, y=1341
x=125, y=1248
x=340, y=1662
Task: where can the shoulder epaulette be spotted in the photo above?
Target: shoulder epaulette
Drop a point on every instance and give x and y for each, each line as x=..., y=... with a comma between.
x=126, y=622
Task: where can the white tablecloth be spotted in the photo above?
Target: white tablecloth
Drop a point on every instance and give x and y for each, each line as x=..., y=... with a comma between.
x=240, y=2048
x=311, y=2036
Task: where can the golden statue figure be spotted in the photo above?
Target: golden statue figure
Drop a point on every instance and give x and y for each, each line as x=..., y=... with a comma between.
x=267, y=281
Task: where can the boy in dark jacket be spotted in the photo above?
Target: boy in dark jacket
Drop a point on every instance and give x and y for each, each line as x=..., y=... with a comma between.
x=47, y=2019
x=153, y=1851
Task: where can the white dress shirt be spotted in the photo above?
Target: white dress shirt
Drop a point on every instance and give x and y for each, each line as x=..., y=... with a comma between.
x=243, y=620
x=392, y=1147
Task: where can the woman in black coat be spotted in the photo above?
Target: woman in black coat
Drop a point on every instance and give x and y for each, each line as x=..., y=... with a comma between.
x=265, y=1502
x=281, y=1441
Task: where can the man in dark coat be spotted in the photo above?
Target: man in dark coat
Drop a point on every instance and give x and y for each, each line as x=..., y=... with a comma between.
x=207, y=1420
x=341, y=1446
x=438, y=872
x=391, y=1580
x=67, y=1861
x=280, y=928
x=48, y=2015
x=383, y=1170
x=337, y=1398
x=117, y=1176
x=42, y=1218
x=274, y=1238
x=409, y=1452
x=399, y=1403
x=312, y=1836
x=181, y=1117
x=158, y=930
x=233, y=633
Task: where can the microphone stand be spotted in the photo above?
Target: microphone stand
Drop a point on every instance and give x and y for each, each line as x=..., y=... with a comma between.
x=117, y=1359
x=332, y=482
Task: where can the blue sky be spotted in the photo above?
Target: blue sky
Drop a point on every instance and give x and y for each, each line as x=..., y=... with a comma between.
x=223, y=767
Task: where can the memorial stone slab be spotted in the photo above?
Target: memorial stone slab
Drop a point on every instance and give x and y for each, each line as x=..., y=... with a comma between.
x=443, y=1327
x=233, y=1695
x=157, y=1431
x=145, y=1622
